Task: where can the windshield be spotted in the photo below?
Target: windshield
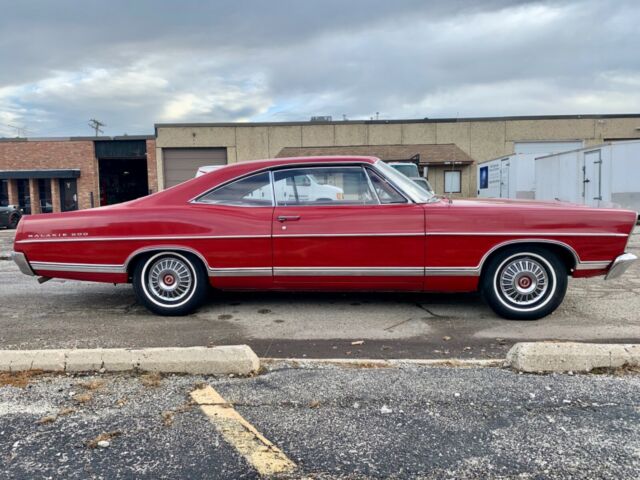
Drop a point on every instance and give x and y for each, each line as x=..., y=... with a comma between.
x=404, y=183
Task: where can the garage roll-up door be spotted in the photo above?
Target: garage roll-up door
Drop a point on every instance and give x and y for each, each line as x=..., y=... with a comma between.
x=181, y=164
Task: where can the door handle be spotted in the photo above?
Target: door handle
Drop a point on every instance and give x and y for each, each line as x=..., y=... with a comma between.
x=288, y=218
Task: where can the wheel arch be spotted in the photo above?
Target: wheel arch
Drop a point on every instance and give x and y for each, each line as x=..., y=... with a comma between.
x=565, y=252
x=140, y=254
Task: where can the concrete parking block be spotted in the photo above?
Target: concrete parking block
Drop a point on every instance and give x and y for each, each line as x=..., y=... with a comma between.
x=571, y=356
x=238, y=359
x=223, y=360
x=92, y=360
x=23, y=360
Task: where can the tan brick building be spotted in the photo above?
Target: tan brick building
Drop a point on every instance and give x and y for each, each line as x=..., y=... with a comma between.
x=181, y=148
x=61, y=174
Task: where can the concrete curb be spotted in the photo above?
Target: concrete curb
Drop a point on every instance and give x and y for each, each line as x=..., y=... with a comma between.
x=571, y=356
x=380, y=363
x=224, y=360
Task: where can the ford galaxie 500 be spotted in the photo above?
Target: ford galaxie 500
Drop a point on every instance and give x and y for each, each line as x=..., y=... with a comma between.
x=251, y=226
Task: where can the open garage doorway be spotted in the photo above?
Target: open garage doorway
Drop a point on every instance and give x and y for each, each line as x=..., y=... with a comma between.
x=122, y=169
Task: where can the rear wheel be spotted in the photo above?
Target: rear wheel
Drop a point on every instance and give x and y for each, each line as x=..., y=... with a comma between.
x=170, y=283
x=524, y=284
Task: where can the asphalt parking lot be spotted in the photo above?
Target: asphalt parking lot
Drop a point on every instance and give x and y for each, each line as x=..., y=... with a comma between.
x=404, y=422
x=68, y=314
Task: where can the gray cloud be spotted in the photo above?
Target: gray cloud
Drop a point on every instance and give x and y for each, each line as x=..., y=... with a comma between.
x=131, y=64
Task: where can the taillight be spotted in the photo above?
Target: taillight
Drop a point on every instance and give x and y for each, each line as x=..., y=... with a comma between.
x=340, y=196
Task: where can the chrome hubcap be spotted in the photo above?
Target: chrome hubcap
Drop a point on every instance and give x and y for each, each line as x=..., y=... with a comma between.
x=523, y=281
x=170, y=279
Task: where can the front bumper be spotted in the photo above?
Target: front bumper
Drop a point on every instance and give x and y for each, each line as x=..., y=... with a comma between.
x=22, y=262
x=620, y=265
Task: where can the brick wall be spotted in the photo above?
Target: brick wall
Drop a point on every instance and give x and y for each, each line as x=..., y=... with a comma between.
x=49, y=154
x=152, y=167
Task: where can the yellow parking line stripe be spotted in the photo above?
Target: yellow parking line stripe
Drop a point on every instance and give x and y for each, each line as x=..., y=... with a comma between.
x=263, y=455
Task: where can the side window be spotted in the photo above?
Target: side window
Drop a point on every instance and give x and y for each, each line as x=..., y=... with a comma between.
x=452, y=183
x=385, y=192
x=322, y=186
x=254, y=190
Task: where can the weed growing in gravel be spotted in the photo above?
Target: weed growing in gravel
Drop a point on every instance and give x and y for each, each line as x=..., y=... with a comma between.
x=18, y=379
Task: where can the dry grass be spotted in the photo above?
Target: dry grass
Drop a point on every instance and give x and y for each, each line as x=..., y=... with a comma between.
x=151, y=380
x=167, y=418
x=83, y=397
x=18, y=379
x=66, y=411
x=618, y=371
x=92, y=385
x=46, y=420
x=121, y=402
x=314, y=404
x=93, y=443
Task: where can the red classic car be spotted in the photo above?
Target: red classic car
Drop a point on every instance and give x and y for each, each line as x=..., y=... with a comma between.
x=262, y=225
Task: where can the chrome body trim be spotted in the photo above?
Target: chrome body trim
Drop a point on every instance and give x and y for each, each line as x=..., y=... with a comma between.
x=241, y=272
x=399, y=234
x=452, y=271
x=529, y=234
x=142, y=238
x=78, y=267
x=590, y=265
x=620, y=265
x=313, y=235
x=21, y=261
x=348, y=271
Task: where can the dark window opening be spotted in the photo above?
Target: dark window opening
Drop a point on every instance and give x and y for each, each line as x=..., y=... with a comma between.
x=4, y=193
x=24, y=197
x=68, y=194
x=44, y=189
x=122, y=180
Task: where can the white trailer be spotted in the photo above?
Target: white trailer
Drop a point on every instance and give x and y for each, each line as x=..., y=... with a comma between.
x=606, y=175
x=512, y=176
x=507, y=177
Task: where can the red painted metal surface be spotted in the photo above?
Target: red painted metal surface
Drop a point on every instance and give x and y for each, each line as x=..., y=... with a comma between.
x=439, y=235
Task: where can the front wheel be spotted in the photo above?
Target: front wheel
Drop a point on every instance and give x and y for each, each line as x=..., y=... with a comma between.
x=170, y=283
x=14, y=219
x=524, y=284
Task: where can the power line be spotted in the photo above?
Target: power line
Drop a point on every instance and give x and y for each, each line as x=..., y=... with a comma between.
x=95, y=125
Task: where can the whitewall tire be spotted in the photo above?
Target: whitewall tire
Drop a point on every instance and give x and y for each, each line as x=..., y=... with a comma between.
x=524, y=283
x=170, y=283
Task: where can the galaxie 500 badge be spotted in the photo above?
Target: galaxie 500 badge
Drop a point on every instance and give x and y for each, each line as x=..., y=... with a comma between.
x=58, y=235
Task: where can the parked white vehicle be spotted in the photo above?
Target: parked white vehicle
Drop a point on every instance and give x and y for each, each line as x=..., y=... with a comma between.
x=409, y=169
x=604, y=176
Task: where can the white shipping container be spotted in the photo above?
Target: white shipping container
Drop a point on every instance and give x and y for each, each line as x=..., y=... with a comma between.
x=606, y=175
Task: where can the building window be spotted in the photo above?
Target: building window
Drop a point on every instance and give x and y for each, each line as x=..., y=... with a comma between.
x=452, y=183
x=68, y=194
x=4, y=193
x=44, y=188
x=24, y=197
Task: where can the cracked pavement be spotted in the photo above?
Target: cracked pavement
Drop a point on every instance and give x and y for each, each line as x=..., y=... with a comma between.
x=334, y=422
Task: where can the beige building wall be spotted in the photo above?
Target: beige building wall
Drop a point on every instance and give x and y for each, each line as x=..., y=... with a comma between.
x=482, y=139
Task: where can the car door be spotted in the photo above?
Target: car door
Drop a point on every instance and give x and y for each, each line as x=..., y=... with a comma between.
x=236, y=218
x=361, y=233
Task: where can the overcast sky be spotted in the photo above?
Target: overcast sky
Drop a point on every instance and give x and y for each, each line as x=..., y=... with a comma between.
x=131, y=64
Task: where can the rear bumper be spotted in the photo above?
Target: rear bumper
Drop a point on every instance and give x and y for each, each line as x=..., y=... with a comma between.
x=23, y=263
x=620, y=265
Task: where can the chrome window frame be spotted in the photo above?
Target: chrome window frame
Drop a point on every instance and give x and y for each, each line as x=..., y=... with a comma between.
x=396, y=188
x=271, y=169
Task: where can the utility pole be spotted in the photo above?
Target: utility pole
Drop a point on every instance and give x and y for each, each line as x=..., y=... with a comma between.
x=20, y=131
x=95, y=125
